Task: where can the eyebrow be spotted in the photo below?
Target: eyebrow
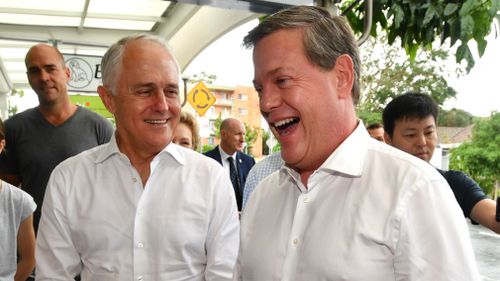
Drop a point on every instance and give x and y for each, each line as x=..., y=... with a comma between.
x=271, y=72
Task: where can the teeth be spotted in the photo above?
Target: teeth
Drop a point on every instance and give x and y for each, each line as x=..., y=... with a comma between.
x=283, y=122
x=163, y=121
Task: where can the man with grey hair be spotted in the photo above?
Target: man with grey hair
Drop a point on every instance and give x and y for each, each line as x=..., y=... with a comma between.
x=139, y=207
x=344, y=206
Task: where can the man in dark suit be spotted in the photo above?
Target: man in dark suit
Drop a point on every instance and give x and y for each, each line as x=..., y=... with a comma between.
x=232, y=141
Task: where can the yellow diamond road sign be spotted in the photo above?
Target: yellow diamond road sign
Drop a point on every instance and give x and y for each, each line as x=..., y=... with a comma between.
x=200, y=98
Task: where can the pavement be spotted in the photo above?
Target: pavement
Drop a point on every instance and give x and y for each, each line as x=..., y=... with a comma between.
x=486, y=245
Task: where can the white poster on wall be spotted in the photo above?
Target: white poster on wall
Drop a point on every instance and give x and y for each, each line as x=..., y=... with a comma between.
x=85, y=72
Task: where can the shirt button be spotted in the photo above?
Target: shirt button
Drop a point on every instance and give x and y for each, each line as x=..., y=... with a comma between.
x=140, y=245
x=307, y=199
x=134, y=179
x=139, y=278
x=295, y=241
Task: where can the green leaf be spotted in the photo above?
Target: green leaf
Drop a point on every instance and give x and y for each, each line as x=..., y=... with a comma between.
x=495, y=7
x=398, y=14
x=451, y=8
x=429, y=15
x=466, y=26
x=481, y=46
x=467, y=7
x=467, y=55
x=454, y=31
x=460, y=55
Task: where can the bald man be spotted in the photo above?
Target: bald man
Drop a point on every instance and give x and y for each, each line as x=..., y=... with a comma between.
x=39, y=138
x=229, y=153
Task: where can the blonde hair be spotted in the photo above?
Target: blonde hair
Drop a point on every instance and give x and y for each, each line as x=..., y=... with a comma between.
x=188, y=119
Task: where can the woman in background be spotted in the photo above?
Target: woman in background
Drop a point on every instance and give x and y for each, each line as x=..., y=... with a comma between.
x=187, y=132
x=17, y=235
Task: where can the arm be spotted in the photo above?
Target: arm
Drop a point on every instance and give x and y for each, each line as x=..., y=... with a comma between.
x=56, y=255
x=484, y=213
x=223, y=234
x=25, y=249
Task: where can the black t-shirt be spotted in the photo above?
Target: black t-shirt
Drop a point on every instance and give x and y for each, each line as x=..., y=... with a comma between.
x=34, y=147
x=466, y=190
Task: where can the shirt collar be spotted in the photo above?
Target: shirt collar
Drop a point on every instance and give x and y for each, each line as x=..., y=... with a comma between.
x=224, y=155
x=111, y=148
x=349, y=157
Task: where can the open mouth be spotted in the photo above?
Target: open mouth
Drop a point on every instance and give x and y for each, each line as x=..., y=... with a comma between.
x=284, y=126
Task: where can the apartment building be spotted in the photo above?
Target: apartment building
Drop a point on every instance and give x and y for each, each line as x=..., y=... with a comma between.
x=241, y=102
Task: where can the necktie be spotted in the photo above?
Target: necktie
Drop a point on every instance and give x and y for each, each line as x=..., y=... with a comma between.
x=233, y=175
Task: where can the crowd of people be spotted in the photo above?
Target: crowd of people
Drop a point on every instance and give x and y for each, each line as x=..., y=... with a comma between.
x=338, y=202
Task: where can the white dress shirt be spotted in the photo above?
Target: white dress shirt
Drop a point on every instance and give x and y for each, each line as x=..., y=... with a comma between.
x=371, y=212
x=225, y=162
x=98, y=219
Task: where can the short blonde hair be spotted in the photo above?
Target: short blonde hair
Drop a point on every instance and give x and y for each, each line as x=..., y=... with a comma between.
x=189, y=119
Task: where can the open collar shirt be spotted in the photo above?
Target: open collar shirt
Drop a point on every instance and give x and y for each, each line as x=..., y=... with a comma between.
x=370, y=212
x=99, y=220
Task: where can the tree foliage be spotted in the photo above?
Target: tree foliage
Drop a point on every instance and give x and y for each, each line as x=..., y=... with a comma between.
x=13, y=108
x=251, y=136
x=455, y=118
x=203, y=77
x=480, y=157
x=419, y=23
x=387, y=72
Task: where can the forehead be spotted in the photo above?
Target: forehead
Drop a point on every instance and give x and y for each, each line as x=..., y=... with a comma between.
x=281, y=48
x=43, y=55
x=145, y=55
x=415, y=123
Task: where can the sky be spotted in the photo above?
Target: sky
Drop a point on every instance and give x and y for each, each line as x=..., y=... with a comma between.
x=478, y=92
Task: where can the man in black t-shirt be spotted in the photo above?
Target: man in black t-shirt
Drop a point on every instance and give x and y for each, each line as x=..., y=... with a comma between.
x=410, y=125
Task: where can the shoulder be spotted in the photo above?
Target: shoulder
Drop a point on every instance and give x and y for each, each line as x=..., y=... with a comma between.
x=17, y=194
x=457, y=178
x=396, y=165
x=212, y=152
x=83, y=159
x=245, y=157
x=195, y=162
x=22, y=117
x=83, y=112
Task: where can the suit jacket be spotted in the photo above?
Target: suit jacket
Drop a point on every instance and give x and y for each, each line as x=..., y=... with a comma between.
x=245, y=163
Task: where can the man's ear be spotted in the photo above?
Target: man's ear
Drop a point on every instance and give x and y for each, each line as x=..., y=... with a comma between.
x=344, y=69
x=106, y=98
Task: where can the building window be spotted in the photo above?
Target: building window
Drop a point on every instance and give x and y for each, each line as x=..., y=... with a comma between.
x=243, y=111
x=211, y=140
x=242, y=97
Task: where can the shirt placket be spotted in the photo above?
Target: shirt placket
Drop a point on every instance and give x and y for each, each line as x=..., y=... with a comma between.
x=296, y=238
x=140, y=232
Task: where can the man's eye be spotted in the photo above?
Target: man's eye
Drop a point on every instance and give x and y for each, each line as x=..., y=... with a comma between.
x=33, y=71
x=172, y=92
x=144, y=92
x=281, y=82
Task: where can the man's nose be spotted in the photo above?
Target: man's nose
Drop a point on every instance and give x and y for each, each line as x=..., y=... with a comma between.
x=269, y=100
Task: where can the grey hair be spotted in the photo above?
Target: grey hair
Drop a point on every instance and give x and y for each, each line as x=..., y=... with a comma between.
x=112, y=59
x=326, y=37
